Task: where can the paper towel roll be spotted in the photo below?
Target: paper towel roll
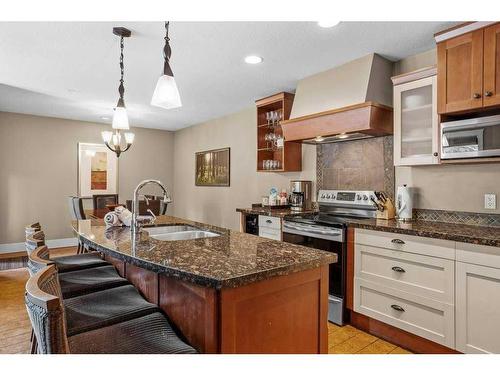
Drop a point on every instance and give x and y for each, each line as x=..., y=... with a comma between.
x=124, y=215
x=111, y=219
x=404, y=203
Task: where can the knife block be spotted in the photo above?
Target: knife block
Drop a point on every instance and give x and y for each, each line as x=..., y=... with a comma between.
x=389, y=211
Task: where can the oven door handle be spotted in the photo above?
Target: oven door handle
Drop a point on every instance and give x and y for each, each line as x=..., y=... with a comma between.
x=310, y=230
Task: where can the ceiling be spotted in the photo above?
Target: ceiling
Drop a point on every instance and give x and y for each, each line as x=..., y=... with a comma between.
x=70, y=69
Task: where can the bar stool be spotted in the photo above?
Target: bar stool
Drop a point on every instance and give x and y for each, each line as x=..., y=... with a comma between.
x=80, y=281
x=148, y=334
x=64, y=263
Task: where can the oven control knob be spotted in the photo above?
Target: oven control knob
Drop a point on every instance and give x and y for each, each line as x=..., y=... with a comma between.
x=333, y=196
x=365, y=198
x=359, y=197
x=328, y=196
x=322, y=196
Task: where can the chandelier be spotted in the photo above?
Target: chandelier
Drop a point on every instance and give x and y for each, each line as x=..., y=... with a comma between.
x=114, y=140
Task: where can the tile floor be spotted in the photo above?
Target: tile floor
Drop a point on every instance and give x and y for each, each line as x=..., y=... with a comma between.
x=349, y=340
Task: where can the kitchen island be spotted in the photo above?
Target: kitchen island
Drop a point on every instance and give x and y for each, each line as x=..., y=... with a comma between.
x=231, y=293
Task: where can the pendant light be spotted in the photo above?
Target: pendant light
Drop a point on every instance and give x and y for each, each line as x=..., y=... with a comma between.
x=120, y=118
x=166, y=94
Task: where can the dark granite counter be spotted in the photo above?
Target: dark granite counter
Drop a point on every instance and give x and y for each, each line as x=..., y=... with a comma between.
x=229, y=260
x=481, y=235
x=276, y=212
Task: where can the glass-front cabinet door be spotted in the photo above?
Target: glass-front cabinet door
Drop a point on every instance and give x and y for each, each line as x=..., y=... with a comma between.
x=416, y=122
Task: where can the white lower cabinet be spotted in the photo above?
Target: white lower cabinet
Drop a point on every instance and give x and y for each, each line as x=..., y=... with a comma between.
x=398, y=282
x=478, y=304
x=452, y=298
x=270, y=227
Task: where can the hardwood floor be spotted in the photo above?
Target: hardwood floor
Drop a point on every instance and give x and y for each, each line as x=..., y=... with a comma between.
x=15, y=328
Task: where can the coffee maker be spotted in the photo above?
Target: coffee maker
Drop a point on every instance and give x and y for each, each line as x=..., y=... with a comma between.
x=300, y=195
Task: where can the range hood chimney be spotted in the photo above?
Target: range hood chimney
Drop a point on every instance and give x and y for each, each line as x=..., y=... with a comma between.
x=351, y=101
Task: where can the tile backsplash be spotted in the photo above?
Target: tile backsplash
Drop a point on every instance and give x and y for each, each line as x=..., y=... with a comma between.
x=365, y=164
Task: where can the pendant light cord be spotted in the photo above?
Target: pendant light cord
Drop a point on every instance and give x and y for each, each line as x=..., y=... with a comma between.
x=121, y=88
x=167, y=51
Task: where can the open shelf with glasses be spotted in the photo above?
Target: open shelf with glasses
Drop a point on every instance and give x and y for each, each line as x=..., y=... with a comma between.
x=273, y=153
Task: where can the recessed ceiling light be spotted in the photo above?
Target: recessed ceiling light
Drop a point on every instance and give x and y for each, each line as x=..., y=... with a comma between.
x=327, y=24
x=252, y=59
x=104, y=118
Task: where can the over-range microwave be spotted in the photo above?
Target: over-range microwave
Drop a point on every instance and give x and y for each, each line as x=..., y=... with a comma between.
x=472, y=138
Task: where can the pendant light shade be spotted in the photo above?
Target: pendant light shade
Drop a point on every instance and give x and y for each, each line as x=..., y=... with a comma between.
x=120, y=118
x=166, y=94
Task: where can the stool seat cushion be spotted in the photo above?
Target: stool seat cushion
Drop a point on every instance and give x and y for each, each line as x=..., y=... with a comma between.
x=78, y=262
x=104, y=308
x=150, y=334
x=90, y=280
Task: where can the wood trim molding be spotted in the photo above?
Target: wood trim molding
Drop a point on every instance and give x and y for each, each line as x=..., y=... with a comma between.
x=458, y=30
x=274, y=98
x=415, y=75
x=369, y=118
x=337, y=110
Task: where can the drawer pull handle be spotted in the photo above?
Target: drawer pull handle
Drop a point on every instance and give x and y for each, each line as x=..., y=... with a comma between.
x=398, y=241
x=398, y=269
x=269, y=221
x=398, y=308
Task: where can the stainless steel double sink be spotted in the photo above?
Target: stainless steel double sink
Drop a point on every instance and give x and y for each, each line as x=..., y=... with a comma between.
x=178, y=232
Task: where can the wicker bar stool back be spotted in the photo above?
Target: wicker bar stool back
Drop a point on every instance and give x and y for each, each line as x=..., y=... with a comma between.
x=32, y=228
x=34, y=240
x=43, y=301
x=38, y=259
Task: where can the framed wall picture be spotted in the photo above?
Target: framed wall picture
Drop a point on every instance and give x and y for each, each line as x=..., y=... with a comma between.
x=97, y=170
x=213, y=167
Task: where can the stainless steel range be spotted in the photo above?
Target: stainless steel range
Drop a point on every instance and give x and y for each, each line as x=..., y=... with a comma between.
x=326, y=230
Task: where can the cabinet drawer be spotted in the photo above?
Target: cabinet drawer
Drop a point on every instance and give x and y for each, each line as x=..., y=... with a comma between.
x=426, y=276
x=424, y=317
x=478, y=254
x=270, y=222
x=407, y=243
x=273, y=234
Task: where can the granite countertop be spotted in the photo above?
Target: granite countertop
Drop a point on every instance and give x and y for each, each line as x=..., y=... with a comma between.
x=276, y=212
x=229, y=260
x=475, y=234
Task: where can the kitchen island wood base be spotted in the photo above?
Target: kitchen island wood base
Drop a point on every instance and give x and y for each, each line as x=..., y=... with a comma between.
x=283, y=314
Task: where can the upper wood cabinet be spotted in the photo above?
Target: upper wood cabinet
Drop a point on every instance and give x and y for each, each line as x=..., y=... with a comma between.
x=491, y=82
x=460, y=70
x=273, y=154
x=468, y=71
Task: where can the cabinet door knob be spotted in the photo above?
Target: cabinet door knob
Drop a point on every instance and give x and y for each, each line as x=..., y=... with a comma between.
x=398, y=308
x=488, y=93
x=398, y=241
x=435, y=154
x=268, y=221
x=398, y=269
x=476, y=95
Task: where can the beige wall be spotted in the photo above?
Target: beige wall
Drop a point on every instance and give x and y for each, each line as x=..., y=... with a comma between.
x=39, y=169
x=447, y=187
x=217, y=205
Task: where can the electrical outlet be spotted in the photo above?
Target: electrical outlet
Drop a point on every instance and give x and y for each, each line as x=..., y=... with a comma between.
x=490, y=201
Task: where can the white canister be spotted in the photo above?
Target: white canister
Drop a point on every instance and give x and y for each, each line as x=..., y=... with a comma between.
x=404, y=203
